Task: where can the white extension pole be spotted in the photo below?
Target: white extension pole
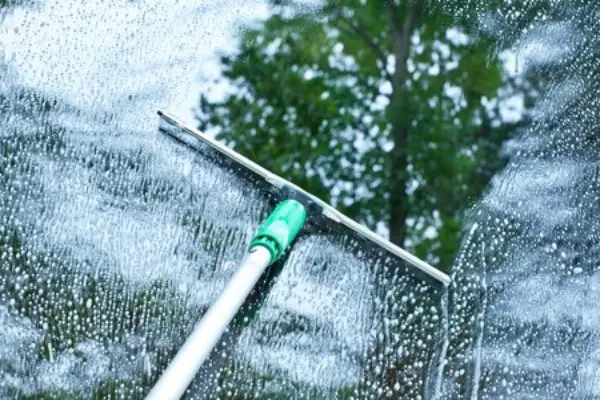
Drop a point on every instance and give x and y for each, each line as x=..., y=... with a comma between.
x=180, y=373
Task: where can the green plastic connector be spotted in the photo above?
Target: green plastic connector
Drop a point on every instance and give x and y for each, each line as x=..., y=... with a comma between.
x=280, y=229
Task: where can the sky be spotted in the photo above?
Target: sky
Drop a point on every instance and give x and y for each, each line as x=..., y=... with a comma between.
x=123, y=58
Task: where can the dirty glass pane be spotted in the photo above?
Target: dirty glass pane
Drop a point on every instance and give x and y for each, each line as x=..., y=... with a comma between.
x=115, y=239
x=463, y=130
x=527, y=272
x=110, y=253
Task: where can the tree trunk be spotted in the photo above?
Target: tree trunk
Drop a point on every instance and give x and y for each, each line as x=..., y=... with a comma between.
x=398, y=206
x=399, y=113
x=400, y=118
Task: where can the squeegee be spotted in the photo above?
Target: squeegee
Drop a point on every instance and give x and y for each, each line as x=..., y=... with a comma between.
x=272, y=239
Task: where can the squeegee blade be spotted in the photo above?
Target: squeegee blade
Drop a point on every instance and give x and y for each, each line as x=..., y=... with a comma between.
x=210, y=147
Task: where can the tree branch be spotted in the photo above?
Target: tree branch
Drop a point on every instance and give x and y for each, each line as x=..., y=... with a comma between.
x=401, y=33
x=358, y=29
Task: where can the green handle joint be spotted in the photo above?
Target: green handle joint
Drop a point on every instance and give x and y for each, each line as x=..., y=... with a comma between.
x=280, y=229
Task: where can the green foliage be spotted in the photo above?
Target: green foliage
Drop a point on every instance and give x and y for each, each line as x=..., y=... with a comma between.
x=312, y=103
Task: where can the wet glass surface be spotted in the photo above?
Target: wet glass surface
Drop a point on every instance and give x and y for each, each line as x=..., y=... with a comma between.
x=114, y=239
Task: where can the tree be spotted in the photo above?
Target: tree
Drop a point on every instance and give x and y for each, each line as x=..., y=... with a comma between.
x=387, y=111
